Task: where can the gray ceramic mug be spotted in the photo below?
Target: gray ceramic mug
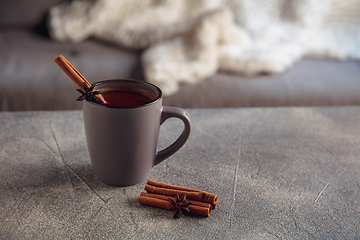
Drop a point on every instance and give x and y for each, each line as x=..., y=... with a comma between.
x=122, y=141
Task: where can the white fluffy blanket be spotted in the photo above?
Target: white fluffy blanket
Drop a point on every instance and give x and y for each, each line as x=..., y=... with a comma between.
x=189, y=40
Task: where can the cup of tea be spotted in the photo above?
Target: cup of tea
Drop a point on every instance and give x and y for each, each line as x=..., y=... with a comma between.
x=122, y=135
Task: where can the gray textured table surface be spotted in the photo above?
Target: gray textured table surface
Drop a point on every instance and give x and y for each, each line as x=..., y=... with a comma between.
x=280, y=173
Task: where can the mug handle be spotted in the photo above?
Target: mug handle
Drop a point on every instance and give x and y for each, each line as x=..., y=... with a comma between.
x=169, y=112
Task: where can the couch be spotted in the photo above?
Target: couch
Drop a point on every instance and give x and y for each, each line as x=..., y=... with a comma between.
x=31, y=81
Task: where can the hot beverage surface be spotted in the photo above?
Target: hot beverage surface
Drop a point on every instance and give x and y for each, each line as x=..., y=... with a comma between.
x=122, y=97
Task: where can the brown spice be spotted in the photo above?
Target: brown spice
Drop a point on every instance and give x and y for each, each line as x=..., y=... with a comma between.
x=171, y=190
x=75, y=75
x=180, y=205
x=162, y=201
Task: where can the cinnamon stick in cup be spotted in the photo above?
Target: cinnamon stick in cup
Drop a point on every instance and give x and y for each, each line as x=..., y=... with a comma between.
x=75, y=75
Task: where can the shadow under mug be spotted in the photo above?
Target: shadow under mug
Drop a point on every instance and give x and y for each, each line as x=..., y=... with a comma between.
x=122, y=141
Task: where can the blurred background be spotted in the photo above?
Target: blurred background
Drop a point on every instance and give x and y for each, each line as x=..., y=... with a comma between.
x=208, y=54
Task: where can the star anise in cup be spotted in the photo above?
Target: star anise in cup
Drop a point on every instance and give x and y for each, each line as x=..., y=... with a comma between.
x=88, y=93
x=180, y=205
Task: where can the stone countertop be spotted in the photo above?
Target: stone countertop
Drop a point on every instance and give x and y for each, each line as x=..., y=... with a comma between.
x=279, y=173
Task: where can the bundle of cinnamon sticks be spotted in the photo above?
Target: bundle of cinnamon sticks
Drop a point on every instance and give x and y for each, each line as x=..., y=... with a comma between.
x=158, y=194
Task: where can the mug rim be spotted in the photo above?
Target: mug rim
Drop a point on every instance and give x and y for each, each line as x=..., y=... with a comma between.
x=132, y=81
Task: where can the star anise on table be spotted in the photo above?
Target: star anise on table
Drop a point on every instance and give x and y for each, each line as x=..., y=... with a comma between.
x=179, y=205
x=88, y=93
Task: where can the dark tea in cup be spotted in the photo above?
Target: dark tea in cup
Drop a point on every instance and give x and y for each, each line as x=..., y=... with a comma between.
x=123, y=97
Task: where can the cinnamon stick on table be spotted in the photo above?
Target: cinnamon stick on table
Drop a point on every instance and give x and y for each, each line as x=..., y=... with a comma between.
x=171, y=190
x=162, y=201
x=75, y=75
